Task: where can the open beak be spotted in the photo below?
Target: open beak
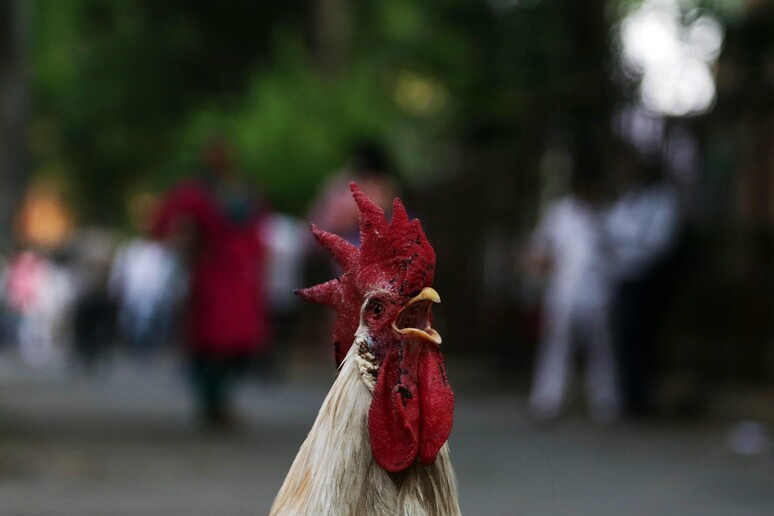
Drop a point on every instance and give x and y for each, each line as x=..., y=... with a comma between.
x=415, y=318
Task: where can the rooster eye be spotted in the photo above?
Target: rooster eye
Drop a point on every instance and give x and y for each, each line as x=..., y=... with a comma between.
x=375, y=307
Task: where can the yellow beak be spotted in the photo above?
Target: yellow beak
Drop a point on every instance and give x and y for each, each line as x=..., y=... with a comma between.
x=413, y=320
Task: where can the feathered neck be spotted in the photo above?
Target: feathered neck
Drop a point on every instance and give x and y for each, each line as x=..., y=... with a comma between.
x=335, y=470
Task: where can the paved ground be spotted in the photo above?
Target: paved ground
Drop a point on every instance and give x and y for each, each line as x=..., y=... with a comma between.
x=123, y=444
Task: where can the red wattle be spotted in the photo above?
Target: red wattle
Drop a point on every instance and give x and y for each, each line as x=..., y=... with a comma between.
x=412, y=408
x=436, y=403
x=393, y=419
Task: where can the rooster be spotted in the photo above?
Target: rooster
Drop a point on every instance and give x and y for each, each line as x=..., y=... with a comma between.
x=379, y=444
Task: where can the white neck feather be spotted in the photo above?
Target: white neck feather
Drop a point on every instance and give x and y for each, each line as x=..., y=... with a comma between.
x=334, y=472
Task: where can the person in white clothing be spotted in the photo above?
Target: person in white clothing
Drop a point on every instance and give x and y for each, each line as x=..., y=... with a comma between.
x=147, y=283
x=569, y=245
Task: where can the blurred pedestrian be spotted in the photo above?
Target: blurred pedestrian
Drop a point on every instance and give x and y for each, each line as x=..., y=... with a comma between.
x=333, y=209
x=146, y=285
x=215, y=222
x=40, y=293
x=568, y=246
x=94, y=314
x=642, y=227
x=285, y=238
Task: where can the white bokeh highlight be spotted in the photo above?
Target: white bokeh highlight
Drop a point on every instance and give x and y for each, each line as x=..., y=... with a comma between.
x=673, y=60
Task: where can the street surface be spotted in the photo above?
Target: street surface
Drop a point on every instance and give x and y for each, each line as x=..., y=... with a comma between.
x=123, y=443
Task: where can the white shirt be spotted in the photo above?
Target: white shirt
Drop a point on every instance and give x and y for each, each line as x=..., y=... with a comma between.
x=642, y=226
x=572, y=232
x=144, y=277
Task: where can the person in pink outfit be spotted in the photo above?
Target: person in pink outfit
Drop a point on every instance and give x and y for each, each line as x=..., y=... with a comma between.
x=218, y=227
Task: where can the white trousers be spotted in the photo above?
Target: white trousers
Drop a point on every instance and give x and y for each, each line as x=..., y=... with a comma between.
x=567, y=328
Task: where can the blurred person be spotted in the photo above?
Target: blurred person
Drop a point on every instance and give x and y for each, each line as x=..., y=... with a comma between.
x=93, y=310
x=216, y=223
x=285, y=237
x=568, y=246
x=21, y=290
x=642, y=227
x=146, y=285
x=333, y=209
x=39, y=294
x=93, y=326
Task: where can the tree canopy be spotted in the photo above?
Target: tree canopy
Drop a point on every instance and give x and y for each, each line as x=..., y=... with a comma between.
x=125, y=92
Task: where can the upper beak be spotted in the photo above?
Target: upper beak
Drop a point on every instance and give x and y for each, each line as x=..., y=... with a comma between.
x=415, y=318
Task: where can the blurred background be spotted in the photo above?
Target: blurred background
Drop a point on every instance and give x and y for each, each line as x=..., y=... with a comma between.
x=134, y=135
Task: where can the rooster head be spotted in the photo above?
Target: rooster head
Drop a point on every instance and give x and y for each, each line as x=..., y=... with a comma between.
x=384, y=297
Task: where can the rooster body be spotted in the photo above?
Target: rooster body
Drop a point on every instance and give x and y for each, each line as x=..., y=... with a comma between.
x=379, y=443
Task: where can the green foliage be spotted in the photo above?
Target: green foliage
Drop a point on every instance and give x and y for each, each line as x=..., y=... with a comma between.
x=112, y=82
x=294, y=126
x=126, y=92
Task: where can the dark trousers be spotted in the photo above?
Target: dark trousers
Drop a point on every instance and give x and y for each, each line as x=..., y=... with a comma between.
x=634, y=322
x=212, y=380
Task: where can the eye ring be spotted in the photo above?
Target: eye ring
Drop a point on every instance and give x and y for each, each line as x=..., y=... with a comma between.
x=375, y=307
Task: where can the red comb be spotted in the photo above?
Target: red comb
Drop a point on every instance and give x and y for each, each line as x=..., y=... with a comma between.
x=395, y=257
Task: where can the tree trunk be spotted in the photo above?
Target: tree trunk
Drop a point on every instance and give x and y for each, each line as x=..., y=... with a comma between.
x=589, y=30
x=14, y=107
x=331, y=34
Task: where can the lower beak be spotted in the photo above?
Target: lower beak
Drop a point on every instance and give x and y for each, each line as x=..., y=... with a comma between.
x=415, y=318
